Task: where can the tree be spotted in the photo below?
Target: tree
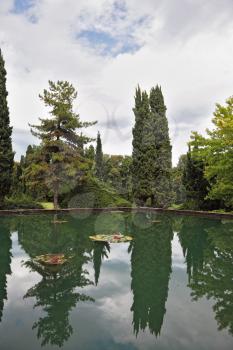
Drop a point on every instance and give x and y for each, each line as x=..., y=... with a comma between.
x=62, y=146
x=141, y=182
x=6, y=153
x=217, y=152
x=90, y=152
x=99, y=158
x=117, y=173
x=151, y=166
x=162, y=191
x=177, y=181
x=195, y=183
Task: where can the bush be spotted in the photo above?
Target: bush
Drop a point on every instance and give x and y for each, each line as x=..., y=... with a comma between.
x=21, y=202
x=93, y=194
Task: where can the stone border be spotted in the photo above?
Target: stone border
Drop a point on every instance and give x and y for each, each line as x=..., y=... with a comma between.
x=126, y=209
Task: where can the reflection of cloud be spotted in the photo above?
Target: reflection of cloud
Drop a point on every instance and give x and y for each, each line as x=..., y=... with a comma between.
x=178, y=259
x=107, y=323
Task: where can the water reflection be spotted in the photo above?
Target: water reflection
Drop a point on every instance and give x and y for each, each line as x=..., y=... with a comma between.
x=56, y=293
x=100, y=251
x=5, y=261
x=193, y=238
x=208, y=247
x=150, y=272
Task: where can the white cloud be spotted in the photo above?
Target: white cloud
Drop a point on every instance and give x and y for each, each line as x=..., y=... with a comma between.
x=185, y=46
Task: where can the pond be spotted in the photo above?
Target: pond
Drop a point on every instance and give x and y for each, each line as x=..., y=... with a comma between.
x=171, y=287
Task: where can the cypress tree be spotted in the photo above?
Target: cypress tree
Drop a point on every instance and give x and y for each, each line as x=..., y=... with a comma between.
x=141, y=184
x=162, y=188
x=99, y=158
x=6, y=153
x=151, y=168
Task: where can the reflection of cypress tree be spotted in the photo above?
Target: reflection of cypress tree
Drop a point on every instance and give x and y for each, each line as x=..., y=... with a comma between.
x=100, y=251
x=194, y=240
x=215, y=279
x=151, y=268
x=5, y=261
x=56, y=292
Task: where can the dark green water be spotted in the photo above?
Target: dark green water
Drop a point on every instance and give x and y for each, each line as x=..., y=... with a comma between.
x=170, y=288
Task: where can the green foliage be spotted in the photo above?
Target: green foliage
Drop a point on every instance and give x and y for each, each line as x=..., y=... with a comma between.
x=216, y=150
x=90, y=152
x=151, y=168
x=99, y=158
x=61, y=152
x=117, y=173
x=195, y=183
x=93, y=193
x=22, y=201
x=178, y=187
x=6, y=153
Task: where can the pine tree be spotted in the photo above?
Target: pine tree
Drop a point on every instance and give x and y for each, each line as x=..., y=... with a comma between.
x=99, y=158
x=62, y=146
x=151, y=168
x=6, y=153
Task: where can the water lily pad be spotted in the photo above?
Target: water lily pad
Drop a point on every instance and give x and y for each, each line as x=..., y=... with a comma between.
x=114, y=238
x=51, y=259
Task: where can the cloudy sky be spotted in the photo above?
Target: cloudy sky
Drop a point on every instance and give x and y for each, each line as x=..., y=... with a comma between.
x=105, y=48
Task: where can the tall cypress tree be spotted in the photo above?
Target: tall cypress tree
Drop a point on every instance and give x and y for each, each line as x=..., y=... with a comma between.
x=141, y=184
x=162, y=189
x=6, y=153
x=151, y=168
x=99, y=158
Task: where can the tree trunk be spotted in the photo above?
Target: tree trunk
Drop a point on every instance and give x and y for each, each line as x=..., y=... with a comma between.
x=55, y=199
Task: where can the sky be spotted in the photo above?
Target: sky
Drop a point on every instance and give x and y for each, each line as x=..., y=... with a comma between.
x=105, y=48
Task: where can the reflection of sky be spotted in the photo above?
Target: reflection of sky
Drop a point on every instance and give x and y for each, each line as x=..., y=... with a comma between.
x=178, y=259
x=107, y=323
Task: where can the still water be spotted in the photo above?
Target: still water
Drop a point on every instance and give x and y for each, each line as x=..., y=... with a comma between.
x=169, y=288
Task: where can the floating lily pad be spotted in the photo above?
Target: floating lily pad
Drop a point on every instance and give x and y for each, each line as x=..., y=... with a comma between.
x=114, y=238
x=51, y=259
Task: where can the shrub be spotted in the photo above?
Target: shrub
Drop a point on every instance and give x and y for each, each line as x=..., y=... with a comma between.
x=21, y=202
x=93, y=194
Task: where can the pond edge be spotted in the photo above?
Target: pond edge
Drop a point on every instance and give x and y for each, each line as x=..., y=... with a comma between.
x=125, y=209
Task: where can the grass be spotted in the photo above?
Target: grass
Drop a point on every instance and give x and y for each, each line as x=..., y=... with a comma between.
x=176, y=206
x=47, y=205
